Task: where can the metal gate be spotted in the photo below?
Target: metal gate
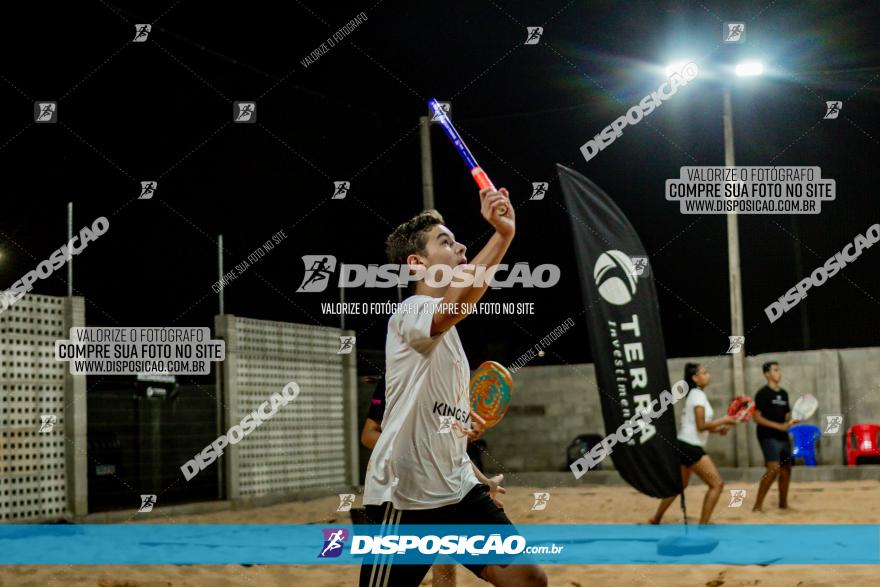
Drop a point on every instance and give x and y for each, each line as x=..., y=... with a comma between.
x=140, y=435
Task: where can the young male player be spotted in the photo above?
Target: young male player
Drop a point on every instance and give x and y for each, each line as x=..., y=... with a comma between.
x=772, y=414
x=419, y=472
x=443, y=575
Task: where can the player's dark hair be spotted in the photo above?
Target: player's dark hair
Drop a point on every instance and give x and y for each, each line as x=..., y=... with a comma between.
x=769, y=365
x=691, y=369
x=409, y=238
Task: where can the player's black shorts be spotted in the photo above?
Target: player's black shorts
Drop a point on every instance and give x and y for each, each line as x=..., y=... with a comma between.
x=776, y=449
x=689, y=453
x=476, y=507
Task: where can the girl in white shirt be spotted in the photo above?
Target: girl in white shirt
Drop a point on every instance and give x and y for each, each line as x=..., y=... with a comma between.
x=696, y=424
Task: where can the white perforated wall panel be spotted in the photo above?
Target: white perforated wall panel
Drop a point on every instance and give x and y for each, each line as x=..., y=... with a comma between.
x=32, y=463
x=303, y=445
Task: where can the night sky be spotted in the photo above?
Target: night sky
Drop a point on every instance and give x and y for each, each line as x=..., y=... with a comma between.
x=162, y=110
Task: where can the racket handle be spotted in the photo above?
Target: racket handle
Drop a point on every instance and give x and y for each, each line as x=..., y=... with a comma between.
x=484, y=182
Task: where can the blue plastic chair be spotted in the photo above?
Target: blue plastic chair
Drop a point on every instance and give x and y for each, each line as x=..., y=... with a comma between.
x=804, y=437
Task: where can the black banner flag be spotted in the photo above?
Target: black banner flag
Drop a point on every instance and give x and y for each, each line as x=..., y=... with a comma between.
x=626, y=339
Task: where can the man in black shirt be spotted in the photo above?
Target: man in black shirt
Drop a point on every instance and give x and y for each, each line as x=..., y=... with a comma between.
x=373, y=425
x=772, y=414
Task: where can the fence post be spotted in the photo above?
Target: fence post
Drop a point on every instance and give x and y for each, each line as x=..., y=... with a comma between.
x=75, y=420
x=350, y=407
x=227, y=399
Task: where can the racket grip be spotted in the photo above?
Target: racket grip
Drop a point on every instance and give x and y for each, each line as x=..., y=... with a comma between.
x=484, y=182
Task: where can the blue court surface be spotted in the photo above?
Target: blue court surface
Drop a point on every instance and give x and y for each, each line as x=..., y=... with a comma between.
x=543, y=544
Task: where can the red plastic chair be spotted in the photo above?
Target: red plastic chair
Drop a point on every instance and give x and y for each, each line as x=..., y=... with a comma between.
x=862, y=441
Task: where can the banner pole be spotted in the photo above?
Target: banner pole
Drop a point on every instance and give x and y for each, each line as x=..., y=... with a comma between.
x=684, y=511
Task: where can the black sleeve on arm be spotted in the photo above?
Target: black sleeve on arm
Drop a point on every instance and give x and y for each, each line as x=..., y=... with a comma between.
x=761, y=402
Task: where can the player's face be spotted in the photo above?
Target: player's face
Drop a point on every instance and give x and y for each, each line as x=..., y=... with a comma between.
x=702, y=377
x=774, y=374
x=442, y=249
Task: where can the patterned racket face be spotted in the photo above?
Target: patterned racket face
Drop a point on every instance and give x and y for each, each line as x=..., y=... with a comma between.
x=742, y=407
x=491, y=385
x=804, y=407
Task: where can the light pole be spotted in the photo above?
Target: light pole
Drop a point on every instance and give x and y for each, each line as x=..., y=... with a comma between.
x=427, y=173
x=427, y=167
x=70, y=260
x=737, y=327
x=220, y=273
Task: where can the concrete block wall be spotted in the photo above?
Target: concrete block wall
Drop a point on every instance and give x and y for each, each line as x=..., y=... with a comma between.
x=551, y=405
x=43, y=475
x=844, y=381
x=860, y=377
x=311, y=442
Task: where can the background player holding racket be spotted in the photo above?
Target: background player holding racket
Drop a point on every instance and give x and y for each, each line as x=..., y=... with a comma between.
x=419, y=474
x=696, y=424
x=772, y=415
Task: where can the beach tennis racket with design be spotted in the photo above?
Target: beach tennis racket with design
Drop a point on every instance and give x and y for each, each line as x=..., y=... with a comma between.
x=477, y=172
x=804, y=407
x=741, y=407
x=491, y=385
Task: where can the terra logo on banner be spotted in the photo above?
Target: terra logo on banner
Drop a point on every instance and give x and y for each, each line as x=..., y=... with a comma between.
x=616, y=277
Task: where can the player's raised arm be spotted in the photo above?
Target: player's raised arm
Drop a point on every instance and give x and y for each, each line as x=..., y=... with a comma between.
x=490, y=255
